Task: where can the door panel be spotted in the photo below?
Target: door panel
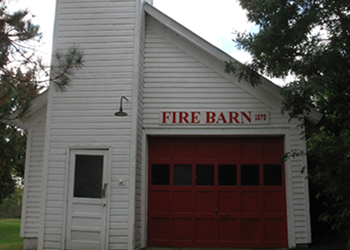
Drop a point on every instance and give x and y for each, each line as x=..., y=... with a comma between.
x=87, y=202
x=216, y=192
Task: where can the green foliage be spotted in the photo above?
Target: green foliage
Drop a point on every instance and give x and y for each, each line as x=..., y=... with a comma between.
x=12, y=158
x=18, y=37
x=21, y=73
x=12, y=205
x=16, y=91
x=246, y=72
x=309, y=40
x=65, y=65
x=15, y=29
x=330, y=172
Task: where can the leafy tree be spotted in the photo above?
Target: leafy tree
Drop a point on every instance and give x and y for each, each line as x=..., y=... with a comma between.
x=12, y=205
x=12, y=158
x=310, y=40
x=21, y=80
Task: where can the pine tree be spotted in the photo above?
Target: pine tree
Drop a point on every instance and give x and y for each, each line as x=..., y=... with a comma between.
x=20, y=82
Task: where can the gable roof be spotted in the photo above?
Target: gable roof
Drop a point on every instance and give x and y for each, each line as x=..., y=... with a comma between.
x=271, y=92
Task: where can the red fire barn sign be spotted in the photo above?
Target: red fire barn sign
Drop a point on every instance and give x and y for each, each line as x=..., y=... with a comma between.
x=208, y=117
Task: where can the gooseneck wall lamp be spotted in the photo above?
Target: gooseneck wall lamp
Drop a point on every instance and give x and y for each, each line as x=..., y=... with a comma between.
x=121, y=112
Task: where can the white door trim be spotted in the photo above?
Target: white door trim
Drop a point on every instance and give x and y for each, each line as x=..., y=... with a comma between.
x=104, y=201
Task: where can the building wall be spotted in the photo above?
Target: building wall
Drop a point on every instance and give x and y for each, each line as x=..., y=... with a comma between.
x=155, y=69
x=139, y=178
x=83, y=115
x=174, y=79
x=33, y=176
x=178, y=76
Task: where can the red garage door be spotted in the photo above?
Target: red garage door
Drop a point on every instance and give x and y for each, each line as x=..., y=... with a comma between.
x=216, y=192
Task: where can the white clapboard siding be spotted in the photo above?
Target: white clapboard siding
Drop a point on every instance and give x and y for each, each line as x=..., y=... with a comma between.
x=176, y=80
x=124, y=58
x=140, y=176
x=300, y=190
x=33, y=176
x=83, y=115
x=173, y=85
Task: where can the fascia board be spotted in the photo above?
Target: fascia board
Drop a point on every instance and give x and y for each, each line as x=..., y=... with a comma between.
x=37, y=103
x=19, y=119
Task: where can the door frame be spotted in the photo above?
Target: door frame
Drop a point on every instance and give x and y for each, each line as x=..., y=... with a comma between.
x=71, y=152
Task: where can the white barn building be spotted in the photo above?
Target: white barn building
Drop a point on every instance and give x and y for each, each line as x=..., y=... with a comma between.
x=196, y=161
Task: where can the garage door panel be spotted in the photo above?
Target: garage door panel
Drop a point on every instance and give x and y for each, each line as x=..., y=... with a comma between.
x=160, y=201
x=251, y=230
x=250, y=148
x=182, y=229
x=272, y=148
x=205, y=230
x=228, y=202
x=251, y=203
x=183, y=149
x=160, y=229
x=206, y=149
x=160, y=148
x=228, y=231
x=183, y=202
x=274, y=230
x=273, y=202
x=205, y=202
x=228, y=149
x=217, y=193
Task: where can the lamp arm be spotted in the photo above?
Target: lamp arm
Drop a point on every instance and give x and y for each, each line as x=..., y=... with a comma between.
x=121, y=102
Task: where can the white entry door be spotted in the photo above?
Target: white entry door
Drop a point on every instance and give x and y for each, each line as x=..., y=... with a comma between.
x=87, y=200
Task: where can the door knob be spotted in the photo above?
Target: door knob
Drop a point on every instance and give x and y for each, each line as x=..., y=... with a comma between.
x=216, y=210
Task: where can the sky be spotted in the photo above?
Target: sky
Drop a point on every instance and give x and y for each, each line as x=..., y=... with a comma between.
x=213, y=22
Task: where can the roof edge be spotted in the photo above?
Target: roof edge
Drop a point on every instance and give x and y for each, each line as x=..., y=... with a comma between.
x=19, y=118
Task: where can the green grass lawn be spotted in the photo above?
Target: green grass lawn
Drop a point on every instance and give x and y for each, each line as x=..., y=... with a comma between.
x=9, y=234
x=10, y=240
